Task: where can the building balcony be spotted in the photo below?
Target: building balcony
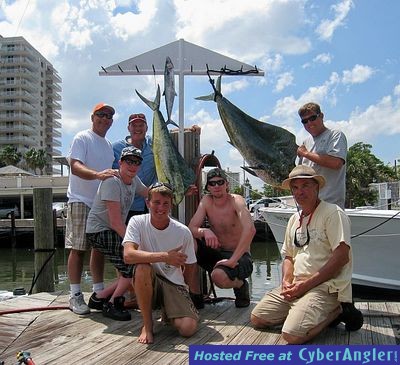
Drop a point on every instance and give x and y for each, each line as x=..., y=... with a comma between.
x=17, y=128
x=17, y=117
x=17, y=139
x=17, y=105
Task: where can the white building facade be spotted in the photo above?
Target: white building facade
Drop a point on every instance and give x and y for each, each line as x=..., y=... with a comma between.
x=30, y=98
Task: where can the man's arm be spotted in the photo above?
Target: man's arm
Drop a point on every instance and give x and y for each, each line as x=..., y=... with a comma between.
x=132, y=255
x=329, y=161
x=114, y=217
x=79, y=169
x=196, y=223
x=248, y=230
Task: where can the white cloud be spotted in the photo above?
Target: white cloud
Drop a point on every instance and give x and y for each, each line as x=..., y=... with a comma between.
x=284, y=80
x=357, y=75
x=327, y=27
x=323, y=58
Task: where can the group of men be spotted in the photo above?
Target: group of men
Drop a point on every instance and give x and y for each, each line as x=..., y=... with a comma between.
x=117, y=209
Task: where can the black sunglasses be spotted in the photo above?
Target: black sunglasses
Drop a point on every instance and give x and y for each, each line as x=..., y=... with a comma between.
x=102, y=115
x=310, y=119
x=296, y=242
x=216, y=182
x=131, y=162
x=160, y=184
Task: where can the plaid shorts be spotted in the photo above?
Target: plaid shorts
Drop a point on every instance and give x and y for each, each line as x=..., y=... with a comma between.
x=75, y=227
x=109, y=244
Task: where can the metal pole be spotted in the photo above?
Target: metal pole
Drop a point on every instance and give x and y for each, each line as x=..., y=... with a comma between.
x=181, y=135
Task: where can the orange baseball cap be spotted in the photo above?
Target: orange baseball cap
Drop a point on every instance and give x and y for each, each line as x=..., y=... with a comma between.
x=102, y=106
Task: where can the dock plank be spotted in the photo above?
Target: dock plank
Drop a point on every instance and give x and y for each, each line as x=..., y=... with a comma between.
x=55, y=337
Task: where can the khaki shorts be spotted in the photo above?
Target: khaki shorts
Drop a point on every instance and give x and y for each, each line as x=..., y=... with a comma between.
x=174, y=300
x=301, y=315
x=75, y=227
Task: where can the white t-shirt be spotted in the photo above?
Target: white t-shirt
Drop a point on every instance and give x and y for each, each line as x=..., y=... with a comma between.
x=150, y=239
x=96, y=153
x=328, y=227
x=332, y=143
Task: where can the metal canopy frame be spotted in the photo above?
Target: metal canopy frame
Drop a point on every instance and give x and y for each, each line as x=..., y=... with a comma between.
x=188, y=59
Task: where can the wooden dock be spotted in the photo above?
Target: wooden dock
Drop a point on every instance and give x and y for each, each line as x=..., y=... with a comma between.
x=62, y=337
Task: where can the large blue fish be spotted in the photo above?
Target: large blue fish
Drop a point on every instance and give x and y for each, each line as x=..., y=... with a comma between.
x=270, y=151
x=170, y=165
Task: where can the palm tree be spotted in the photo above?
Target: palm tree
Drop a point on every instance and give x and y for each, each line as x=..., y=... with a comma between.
x=10, y=156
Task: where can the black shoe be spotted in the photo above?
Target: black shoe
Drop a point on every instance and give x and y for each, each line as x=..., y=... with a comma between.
x=350, y=316
x=242, y=295
x=197, y=300
x=116, y=310
x=97, y=303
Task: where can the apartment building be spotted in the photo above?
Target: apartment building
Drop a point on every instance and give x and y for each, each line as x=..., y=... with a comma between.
x=30, y=98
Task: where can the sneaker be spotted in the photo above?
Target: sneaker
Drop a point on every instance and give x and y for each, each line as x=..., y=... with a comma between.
x=116, y=310
x=97, y=303
x=350, y=316
x=242, y=295
x=77, y=304
x=197, y=300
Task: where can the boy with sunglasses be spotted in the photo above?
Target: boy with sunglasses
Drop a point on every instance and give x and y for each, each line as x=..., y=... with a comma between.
x=317, y=265
x=106, y=228
x=162, y=250
x=223, y=249
x=325, y=150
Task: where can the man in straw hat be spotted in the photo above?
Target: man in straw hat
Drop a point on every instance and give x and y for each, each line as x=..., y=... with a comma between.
x=317, y=265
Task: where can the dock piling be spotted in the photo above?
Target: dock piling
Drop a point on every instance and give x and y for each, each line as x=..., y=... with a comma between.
x=43, y=240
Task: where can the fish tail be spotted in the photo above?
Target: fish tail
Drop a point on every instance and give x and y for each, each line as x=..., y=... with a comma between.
x=153, y=105
x=217, y=91
x=170, y=121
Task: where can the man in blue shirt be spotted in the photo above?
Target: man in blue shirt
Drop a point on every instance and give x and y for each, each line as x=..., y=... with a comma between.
x=137, y=127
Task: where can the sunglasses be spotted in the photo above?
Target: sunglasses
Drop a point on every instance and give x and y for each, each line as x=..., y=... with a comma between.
x=160, y=184
x=102, y=115
x=216, y=182
x=307, y=240
x=131, y=162
x=310, y=119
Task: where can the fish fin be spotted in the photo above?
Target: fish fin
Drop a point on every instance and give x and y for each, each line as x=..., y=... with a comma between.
x=170, y=121
x=206, y=97
x=249, y=170
x=153, y=105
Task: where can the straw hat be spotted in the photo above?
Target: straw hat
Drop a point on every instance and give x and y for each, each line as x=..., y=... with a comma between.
x=303, y=172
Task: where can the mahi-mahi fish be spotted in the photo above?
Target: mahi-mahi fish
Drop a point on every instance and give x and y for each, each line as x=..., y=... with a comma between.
x=270, y=151
x=169, y=89
x=170, y=165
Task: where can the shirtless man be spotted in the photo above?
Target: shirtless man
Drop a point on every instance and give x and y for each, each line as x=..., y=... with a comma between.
x=224, y=248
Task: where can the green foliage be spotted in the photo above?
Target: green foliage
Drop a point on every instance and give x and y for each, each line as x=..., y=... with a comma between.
x=36, y=159
x=271, y=191
x=9, y=156
x=364, y=168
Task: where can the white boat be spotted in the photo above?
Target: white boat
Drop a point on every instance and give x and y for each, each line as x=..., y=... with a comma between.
x=375, y=241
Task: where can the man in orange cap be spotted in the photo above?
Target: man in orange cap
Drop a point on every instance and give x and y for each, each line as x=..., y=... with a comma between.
x=90, y=157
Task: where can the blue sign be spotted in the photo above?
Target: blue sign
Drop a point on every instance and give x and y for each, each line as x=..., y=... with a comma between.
x=293, y=355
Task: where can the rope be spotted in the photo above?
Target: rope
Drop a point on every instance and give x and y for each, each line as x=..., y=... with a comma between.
x=35, y=277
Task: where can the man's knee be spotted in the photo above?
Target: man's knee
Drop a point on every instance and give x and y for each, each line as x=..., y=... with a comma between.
x=294, y=340
x=186, y=326
x=142, y=272
x=221, y=279
x=258, y=322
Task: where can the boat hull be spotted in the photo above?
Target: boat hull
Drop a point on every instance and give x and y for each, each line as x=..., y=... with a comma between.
x=375, y=243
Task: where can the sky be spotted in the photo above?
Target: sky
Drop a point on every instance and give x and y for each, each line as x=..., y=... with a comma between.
x=341, y=54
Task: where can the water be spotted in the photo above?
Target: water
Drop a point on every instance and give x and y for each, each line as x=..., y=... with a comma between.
x=17, y=269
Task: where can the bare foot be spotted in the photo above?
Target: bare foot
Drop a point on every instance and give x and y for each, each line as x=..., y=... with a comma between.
x=146, y=336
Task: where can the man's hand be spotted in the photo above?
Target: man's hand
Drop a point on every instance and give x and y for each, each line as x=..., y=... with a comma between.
x=105, y=174
x=192, y=190
x=175, y=257
x=293, y=291
x=211, y=239
x=302, y=151
x=227, y=263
